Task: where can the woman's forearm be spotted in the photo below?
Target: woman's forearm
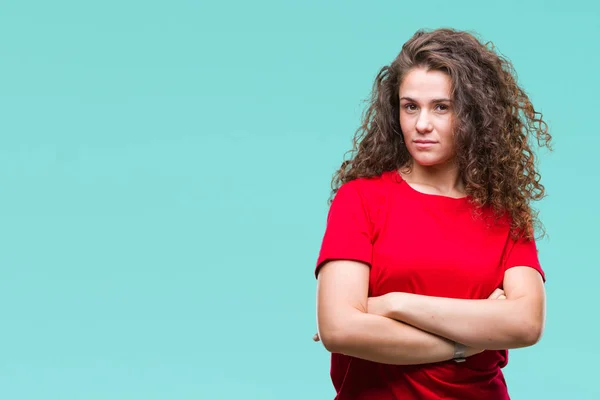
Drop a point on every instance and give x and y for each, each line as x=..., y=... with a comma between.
x=487, y=324
x=384, y=340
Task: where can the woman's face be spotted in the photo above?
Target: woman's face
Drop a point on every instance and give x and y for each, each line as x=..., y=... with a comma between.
x=427, y=116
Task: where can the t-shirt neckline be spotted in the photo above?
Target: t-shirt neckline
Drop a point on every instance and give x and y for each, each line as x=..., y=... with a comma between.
x=398, y=178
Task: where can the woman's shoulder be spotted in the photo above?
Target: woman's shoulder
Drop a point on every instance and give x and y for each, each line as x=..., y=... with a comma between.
x=367, y=184
x=374, y=182
x=373, y=190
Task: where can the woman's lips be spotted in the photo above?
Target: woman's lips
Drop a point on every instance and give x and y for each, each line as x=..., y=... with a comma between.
x=424, y=144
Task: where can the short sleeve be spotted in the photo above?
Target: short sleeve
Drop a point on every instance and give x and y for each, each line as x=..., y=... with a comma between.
x=348, y=231
x=523, y=253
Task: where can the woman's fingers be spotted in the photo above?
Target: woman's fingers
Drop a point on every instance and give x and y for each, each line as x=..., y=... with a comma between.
x=496, y=294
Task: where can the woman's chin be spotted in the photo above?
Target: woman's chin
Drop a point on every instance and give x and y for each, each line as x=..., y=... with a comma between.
x=430, y=161
x=427, y=161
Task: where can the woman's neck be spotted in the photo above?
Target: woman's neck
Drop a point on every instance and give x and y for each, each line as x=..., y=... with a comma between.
x=439, y=179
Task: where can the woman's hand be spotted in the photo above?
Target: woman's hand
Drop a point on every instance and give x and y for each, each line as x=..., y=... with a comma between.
x=497, y=294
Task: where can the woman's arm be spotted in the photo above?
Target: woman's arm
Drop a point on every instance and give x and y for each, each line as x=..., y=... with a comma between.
x=345, y=326
x=515, y=322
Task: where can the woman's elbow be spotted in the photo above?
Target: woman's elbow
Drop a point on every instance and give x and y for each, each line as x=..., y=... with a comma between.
x=333, y=340
x=532, y=332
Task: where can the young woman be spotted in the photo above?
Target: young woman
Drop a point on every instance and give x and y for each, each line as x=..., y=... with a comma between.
x=428, y=270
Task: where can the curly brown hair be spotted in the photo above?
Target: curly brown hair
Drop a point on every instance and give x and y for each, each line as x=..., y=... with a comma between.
x=495, y=121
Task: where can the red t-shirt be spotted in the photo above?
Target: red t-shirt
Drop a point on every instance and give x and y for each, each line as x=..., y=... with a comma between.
x=424, y=244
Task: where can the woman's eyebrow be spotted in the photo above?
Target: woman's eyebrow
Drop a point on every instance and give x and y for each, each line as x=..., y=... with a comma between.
x=441, y=100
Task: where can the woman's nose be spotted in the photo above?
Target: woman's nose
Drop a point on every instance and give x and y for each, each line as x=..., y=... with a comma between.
x=423, y=123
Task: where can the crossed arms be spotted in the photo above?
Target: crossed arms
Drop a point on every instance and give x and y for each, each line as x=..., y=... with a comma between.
x=403, y=328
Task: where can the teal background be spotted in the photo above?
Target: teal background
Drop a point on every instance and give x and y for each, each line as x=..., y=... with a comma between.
x=164, y=171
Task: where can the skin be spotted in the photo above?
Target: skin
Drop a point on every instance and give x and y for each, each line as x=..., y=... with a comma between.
x=427, y=119
x=377, y=306
x=404, y=328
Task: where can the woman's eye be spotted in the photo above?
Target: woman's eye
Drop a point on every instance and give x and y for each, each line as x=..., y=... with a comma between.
x=410, y=107
x=442, y=107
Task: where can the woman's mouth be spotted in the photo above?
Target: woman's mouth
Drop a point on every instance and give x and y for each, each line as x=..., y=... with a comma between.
x=424, y=144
